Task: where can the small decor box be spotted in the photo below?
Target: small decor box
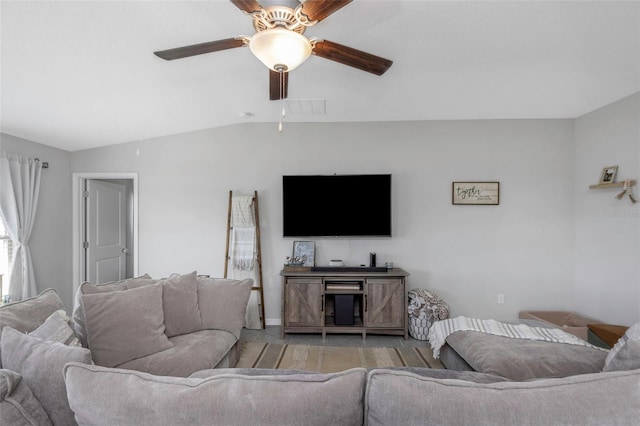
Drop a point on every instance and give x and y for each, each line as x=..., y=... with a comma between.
x=296, y=268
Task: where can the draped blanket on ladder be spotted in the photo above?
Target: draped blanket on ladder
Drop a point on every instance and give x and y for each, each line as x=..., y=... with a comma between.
x=243, y=252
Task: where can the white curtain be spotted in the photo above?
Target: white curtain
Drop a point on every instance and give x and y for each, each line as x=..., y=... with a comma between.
x=19, y=188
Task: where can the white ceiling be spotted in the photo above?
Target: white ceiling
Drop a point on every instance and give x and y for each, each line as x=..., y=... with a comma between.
x=82, y=74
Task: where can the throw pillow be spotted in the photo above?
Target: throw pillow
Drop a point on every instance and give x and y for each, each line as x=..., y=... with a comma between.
x=128, y=396
x=125, y=325
x=26, y=315
x=180, y=303
x=56, y=329
x=18, y=406
x=77, y=317
x=625, y=354
x=40, y=363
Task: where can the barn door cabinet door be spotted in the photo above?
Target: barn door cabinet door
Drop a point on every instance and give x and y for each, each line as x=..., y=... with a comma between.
x=303, y=302
x=385, y=304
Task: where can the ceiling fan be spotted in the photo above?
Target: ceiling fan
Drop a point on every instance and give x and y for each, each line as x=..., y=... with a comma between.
x=280, y=44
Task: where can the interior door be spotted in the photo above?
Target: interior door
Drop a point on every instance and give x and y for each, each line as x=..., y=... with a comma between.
x=105, y=231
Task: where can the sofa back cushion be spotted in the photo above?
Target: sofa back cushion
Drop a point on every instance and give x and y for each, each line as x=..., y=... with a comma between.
x=18, y=406
x=40, y=363
x=399, y=397
x=78, y=317
x=223, y=303
x=226, y=399
x=625, y=354
x=180, y=303
x=28, y=314
x=125, y=325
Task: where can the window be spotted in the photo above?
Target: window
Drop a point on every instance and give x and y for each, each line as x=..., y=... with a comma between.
x=5, y=258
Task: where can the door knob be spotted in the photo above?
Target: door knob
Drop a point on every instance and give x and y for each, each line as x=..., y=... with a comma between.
x=125, y=250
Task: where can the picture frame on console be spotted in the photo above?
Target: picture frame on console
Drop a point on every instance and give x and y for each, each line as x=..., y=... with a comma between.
x=608, y=175
x=306, y=250
x=475, y=193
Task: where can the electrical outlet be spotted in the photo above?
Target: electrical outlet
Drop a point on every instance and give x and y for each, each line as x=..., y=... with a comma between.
x=500, y=298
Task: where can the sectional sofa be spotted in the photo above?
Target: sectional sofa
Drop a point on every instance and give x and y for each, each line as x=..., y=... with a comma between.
x=169, y=327
x=48, y=377
x=381, y=396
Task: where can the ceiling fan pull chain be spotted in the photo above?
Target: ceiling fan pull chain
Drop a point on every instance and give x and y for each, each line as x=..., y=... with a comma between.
x=283, y=113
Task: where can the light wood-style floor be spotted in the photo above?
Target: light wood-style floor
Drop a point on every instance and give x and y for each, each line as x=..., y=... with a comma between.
x=272, y=335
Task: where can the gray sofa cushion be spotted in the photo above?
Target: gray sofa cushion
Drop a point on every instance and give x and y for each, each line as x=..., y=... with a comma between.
x=190, y=352
x=227, y=399
x=403, y=398
x=180, y=303
x=437, y=373
x=125, y=325
x=226, y=303
x=27, y=315
x=452, y=360
x=18, y=406
x=40, y=363
x=625, y=354
x=520, y=359
x=77, y=317
x=203, y=374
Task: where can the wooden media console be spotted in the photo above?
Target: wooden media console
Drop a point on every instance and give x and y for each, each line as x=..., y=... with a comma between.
x=312, y=302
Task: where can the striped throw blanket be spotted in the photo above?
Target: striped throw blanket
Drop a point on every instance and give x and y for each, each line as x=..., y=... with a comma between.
x=441, y=329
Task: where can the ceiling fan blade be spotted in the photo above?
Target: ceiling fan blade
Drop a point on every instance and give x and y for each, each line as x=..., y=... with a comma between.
x=199, y=49
x=248, y=6
x=352, y=57
x=317, y=10
x=277, y=91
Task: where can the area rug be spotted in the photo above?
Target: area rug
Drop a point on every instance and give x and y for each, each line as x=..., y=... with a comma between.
x=328, y=359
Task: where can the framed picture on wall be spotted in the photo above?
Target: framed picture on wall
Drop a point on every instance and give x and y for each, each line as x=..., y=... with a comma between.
x=475, y=193
x=608, y=174
x=305, y=251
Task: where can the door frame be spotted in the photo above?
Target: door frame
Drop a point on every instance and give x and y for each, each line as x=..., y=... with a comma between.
x=77, y=219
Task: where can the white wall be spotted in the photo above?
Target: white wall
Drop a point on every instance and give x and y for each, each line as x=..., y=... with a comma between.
x=50, y=242
x=607, y=274
x=551, y=244
x=522, y=248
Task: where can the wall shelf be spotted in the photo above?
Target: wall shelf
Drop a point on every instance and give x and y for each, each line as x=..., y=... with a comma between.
x=611, y=185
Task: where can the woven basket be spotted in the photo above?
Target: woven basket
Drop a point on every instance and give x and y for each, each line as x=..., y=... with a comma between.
x=419, y=327
x=425, y=308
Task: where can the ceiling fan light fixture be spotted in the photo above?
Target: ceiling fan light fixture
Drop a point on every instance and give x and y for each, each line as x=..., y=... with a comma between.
x=280, y=49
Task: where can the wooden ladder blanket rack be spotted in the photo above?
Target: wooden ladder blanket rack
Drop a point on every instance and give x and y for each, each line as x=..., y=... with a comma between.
x=258, y=260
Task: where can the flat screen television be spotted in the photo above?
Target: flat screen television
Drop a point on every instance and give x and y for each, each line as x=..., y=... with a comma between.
x=336, y=205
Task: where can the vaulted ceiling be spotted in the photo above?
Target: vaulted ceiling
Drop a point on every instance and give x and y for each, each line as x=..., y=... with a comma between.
x=82, y=74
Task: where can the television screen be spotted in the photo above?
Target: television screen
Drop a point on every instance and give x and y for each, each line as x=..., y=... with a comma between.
x=337, y=206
